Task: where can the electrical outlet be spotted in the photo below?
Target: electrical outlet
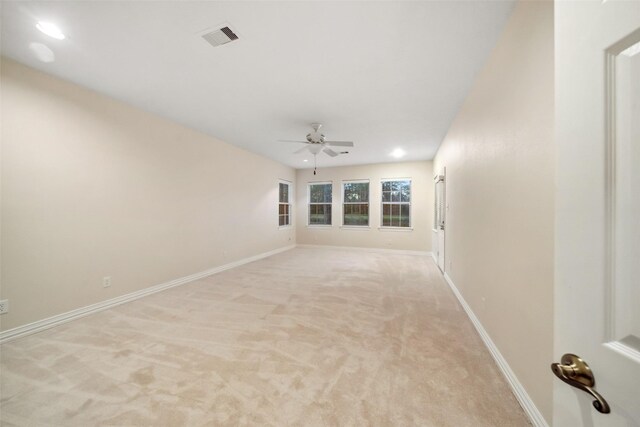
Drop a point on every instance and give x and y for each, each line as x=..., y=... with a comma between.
x=106, y=281
x=4, y=306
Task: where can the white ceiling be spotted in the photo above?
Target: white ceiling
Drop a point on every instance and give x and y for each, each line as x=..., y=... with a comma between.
x=384, y=74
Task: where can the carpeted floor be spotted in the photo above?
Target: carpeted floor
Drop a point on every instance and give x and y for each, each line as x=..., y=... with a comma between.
x=309, y=337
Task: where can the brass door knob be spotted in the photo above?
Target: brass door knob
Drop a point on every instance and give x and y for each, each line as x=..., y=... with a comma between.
x=575, y=372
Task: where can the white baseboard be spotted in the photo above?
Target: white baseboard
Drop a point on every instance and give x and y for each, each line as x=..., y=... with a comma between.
x=376, y=250
x=521, y=394
x=50, y=322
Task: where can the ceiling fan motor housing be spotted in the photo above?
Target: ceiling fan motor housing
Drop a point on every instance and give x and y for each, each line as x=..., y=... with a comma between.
x=315, y=138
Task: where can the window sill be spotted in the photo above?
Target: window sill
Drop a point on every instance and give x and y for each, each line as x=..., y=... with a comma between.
x=355, y=227
x=319, y=225
x=400, y=229
x=284, y=227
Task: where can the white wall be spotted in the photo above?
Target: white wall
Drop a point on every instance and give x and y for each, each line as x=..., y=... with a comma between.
x=418, y=239
x=92, y=187
x=499, y=159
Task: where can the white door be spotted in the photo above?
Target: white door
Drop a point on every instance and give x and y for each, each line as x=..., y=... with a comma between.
x=597, y=298
x=440, y=218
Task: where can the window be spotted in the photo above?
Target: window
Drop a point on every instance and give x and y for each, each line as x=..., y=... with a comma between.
x=320, y=203
x=355, y=203
x=284, y=205
x=396, y=203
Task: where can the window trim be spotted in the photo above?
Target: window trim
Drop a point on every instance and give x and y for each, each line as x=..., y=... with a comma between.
x=290, y=184
x=410, y=203
x=309, y=184
x=354, y=181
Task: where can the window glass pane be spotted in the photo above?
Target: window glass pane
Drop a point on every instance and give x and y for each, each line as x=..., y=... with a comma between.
x=405, y=191
x=386, y=215
x=404, y=216
x=395, y=215
x=320, y=214
x=386, y=186
x=356, y=192
x=314, y=193
x=327, y=193
x=284, y=193
x=320, y=193
x=281, y=220
x=356, y=214
x=386, y=196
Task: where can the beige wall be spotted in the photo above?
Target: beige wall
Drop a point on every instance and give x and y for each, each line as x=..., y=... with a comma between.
x=92, y=187
x=499, y=159
x=418, y=239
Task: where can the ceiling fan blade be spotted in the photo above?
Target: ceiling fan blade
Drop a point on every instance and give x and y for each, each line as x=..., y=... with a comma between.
x=300, y=150
x=339, y=143
x=330, y=152
x=291, y=140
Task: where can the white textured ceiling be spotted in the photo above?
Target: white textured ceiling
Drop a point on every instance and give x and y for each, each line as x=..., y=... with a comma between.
x=384, y=74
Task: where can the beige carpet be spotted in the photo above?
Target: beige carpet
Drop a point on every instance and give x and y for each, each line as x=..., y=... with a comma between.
x=309, y=337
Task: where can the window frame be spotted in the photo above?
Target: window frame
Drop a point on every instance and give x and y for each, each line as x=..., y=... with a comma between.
x=409, y=203
x=288, y=203
x=309, y=203
x=343, y=203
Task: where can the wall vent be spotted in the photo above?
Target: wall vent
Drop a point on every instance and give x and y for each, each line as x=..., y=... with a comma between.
x=220, y=36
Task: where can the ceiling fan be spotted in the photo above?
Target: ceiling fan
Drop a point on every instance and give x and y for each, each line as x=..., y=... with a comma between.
x=316, y=143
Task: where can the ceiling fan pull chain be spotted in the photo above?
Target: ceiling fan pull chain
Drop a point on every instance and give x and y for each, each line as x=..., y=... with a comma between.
x=315, y=163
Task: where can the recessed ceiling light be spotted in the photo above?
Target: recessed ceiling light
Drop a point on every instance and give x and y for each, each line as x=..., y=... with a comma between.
x=50, y=29
x=397, y=153
x=305, y=160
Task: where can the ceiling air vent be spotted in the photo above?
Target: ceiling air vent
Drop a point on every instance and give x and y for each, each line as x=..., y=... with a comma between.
x=221, y=36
